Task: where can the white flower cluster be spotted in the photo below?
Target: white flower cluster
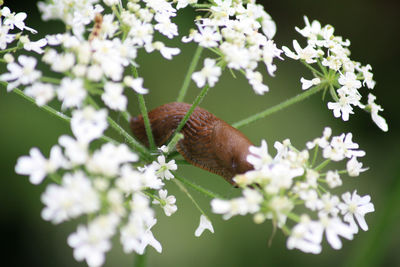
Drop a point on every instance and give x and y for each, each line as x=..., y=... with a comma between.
x=103, y=184
x=345, y=75
x=240, y=33
x=291, y=179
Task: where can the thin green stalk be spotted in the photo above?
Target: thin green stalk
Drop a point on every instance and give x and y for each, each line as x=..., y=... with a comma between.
x=46, y=108
x=12, y=49
x=311, y=68
x=140, y=260
x=147, y=125
x=315, y=155
x=184, y=190
x=196, y=102
x=50, y=80
x=198, y=187
x=56, y=113
x=293, y=217
x=192, y=66
x=174, y=141
x=135, y=144
x=280, y=106
x=322, y=165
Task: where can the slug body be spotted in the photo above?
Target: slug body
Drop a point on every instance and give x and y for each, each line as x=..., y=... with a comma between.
x=208, y=143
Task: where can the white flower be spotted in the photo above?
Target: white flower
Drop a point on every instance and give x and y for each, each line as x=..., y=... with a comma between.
x=329, y=205
x=136, y=84
x=355, y=206
x=308, y=83
x=209, y=73
x=167, y=202
x=113, y=96
x=204, y=224
x=354, y=168
x=349, y=81
x=132, y=180
x=41, y=92
x=163, y=169
x=229, y=208
x=76, y=152
x=75, y=196
x=35, y=46
x=255, y=79
x=333, y=179
x=23, y=73
x=89, y=245
x=37, y=166
x=165, y=26
x=111, y=2
x=334, y=228
x=342, y=147
x=207, y=37
x=368, y=76
x=375, y=108
x=71, y=92
x=259, y=155
x=308, y=54
x=88, y=124
x=166, y=52
x=17, y=20
x=306, y=236
x=279, y=207
x=108, y=158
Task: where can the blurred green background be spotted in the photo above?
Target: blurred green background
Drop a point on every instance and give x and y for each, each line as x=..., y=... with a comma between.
x=372, y=27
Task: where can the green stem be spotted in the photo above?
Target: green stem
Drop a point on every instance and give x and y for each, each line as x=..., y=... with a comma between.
x=315, y=155
x=186, y=81
x=174, y=141
x=280, y=106
x=293, y=217
x=147, y=125
x=184, y=190
x=50, y=80
x=196, y=102
x=12, y=49
x=135, y=144
x=46, y=108
x=311, y=68
x=56, y=113
x=140, y=260
x=322, y=165
x=198, y=188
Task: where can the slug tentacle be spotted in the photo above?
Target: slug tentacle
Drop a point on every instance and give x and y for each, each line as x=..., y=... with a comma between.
x=208, y=143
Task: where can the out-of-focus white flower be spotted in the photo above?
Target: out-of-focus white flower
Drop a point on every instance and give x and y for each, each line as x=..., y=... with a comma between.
x=334, y=228
x=166, y=52
x=88, y=124
x=306, y=236
x=136, y=84
x=71, y=92
x=255, y=80
x=205, y=223
x=354, y=167
x=355, y=206
x=308, y=54
x=259, y=155
x=37, y=166
x=76, y=152
x=41, y=92
x=15, y=19
x=333, y=179
x=74, y=197
x=23, y=73
x=36, y=46
x=209, y=73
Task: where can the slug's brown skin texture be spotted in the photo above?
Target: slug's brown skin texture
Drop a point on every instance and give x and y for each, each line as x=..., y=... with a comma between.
x=208, y=143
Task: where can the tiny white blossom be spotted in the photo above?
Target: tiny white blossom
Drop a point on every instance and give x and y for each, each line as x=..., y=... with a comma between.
x=355, y=207
x=163, y=168
x=354, y=168
x=207, y=37
x=204, y=224
x=88, y=124
x=308, y=83
x=71, y=92
x=334, y=228
x=113, y=96
x=23, y=73
x=169, y=202
x=15, y=19
x=76, y=152
x=41, y=92
x=333, y=179
x=306, y=236
x=166, y=52
x=35, y=46
x=136, y=84
x=308, y=54
x=209, y=74
x=37, y=166
x=375, y=108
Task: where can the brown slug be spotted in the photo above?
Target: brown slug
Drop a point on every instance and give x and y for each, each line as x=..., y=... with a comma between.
x=208, y=143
